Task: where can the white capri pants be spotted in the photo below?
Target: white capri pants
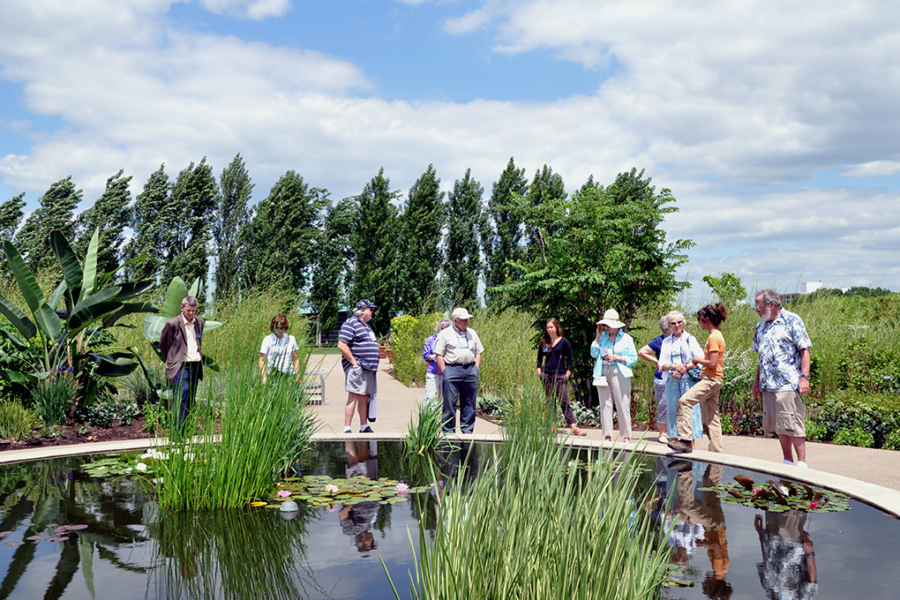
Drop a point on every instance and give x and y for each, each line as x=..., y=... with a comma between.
x=618, y=390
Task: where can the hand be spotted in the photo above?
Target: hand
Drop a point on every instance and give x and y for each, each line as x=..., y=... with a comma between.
x=803, y=386
x=756, y=391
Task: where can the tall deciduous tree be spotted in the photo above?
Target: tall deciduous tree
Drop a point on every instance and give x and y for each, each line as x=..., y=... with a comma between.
x=151, y=219
x=284, y=233
x=57, y=209
x=501, y=229
x=110, y=214
x=546, y=186
x=462, y=263
x=191, y=205
x=597, y=252
x=375, y=257
x=333, y=258
x=11, y=215
x=230, y=225
x=423, y=220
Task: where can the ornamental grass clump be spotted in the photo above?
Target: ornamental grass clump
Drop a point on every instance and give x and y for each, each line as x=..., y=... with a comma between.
x=54, y=396
x=424, y=436
x=536, y=523
x=241, y=450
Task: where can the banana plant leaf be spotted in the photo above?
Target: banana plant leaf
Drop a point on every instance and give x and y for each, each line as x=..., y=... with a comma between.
x=57, y=295
x=47, y=319
x=133, y=289
x=127, y=309
x=17, y=376
x=17, y=318
x=89, y=281
x=117, y=364
x=17, y=342
x=91, y=313
x=68, y=260
x=32, y=293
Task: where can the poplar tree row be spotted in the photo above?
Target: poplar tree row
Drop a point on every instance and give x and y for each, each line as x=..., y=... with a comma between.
x=424, y=250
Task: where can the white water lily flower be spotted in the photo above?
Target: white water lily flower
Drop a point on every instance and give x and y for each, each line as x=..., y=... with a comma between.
x=141, y=466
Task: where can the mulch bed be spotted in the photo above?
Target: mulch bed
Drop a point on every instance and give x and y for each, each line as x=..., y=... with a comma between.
x=79, y=433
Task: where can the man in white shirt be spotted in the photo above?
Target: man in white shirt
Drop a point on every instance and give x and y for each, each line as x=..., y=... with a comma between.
x=457, y=351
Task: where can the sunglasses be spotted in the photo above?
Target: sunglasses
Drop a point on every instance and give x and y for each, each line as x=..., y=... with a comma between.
x=281, y=329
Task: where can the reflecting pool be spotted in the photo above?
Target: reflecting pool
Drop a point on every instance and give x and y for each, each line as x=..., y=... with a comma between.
x=66, y=535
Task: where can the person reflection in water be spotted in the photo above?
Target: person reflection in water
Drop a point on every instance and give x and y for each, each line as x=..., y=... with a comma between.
x=707, y=512
x=358, y=519
x=788, y=568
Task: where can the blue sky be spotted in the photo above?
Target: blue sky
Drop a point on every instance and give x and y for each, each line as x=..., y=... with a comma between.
x=774, y=125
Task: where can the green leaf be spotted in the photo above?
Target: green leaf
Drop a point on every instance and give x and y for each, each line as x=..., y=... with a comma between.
x=17, y=318
x=28, y=286
x=90, y=264
x=195, y=288
x=153, y=326
x=58, y=294
x=68, y=260
x=90, y=313
x=48, y=321
x=210, y=325
x=127, y=309
x=132, y=289
x=17, y=342
x=174, y=295
x=17, y=376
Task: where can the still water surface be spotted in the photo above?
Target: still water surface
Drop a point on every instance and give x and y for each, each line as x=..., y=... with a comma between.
x=129, y=549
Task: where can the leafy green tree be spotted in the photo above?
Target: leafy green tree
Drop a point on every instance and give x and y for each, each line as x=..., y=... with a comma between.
x=230, y=225
x=423, y=221
x=462, y=263
x=150, y=222
x=333, y=258
x=727, y=287
x=629, y=185
x=56, y=212
x=375, y=252
x=191, y=206
x=595, y=254
x=110, y=214
x=501, y=229
x=11, y=215
x=284, y=233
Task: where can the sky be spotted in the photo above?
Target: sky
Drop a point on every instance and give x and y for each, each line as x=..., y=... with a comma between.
x=774, y=124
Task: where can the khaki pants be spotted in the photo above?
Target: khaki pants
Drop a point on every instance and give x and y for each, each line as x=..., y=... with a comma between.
x=706, y=394
x=618, y=390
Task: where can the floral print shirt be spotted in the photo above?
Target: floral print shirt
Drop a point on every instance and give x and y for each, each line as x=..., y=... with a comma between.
x=779, y=343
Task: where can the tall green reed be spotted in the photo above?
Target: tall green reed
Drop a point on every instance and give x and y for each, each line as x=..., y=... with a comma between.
x=53, y=397
x=535, y=524
x=424, y=436
x=241, y=448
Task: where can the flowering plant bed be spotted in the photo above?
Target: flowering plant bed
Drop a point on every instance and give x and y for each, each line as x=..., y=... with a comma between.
x=779, y=496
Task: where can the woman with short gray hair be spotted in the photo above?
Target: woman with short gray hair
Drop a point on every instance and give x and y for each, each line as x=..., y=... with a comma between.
x=433, y=373
x=676, y=360
x=650, y=353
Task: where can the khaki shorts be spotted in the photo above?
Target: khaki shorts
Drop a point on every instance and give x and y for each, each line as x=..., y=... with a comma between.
x=783, y=413
x=360, y=381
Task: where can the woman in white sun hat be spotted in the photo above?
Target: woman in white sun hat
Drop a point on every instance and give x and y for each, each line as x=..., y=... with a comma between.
x=615, y=353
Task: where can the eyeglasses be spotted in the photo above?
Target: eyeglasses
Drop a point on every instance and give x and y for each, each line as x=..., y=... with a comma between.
x=677, y=323
x=281, y=329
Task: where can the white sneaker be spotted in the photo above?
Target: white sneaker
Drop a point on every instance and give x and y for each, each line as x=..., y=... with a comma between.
x=789, y=462
x=348, y=430
x=802, y=465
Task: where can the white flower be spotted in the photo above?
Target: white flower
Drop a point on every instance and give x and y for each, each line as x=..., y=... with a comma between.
x=141, y=466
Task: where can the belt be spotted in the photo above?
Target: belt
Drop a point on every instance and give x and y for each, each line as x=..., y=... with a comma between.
x=459, y=364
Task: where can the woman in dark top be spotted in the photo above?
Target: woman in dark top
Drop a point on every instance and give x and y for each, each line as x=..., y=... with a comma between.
x=554, y=367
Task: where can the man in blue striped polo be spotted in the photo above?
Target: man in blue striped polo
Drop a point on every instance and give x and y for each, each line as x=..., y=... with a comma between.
x=360, y=362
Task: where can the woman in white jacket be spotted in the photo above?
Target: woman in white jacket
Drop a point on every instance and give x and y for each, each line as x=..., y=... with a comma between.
x=676, y=359
x=615, y=353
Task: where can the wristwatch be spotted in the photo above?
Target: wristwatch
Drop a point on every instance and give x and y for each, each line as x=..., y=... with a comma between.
x=806, y=377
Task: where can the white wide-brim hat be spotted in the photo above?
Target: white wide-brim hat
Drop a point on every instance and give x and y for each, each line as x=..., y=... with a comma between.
x=611, y=319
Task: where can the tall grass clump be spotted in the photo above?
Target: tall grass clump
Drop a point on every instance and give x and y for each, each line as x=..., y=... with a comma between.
x=546, y=525
x=53, y=397
x=423, y=438
x=262, y=430
x=16, y=421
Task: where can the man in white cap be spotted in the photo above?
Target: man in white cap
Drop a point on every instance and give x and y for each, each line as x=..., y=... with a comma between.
x=457, y=351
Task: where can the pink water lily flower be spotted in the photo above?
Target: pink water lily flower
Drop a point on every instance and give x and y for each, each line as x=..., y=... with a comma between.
x=814, y=505
x=402, y=488
x=283, y=494
x=755, y=491
x=331, y=488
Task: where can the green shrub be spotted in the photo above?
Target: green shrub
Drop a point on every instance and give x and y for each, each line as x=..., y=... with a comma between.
x=408, y=335
x=105, y=414
x=727, y=425
x=154, y=418
x=892, y=442
x=16, y=421
x=868, y=368
x=814, y=431
x=876, y=414
x=491, y=404
x=856, y=436
x=53, y=397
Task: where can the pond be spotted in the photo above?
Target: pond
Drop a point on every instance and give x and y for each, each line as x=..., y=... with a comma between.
x=66, y=535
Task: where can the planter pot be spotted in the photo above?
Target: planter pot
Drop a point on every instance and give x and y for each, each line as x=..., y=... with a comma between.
x=390, y=354
x=382, y=352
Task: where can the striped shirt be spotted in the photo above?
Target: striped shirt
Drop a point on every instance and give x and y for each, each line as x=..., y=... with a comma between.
x=363, y=345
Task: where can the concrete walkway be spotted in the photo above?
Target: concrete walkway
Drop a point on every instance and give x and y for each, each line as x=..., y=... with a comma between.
x=870, y=475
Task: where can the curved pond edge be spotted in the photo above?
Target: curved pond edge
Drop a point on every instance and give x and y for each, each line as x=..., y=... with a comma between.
x=882, y=498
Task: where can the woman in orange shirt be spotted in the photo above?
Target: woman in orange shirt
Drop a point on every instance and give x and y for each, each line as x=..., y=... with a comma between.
x=706, y=392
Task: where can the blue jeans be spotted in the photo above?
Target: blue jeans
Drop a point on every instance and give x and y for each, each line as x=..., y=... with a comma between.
x=460, y=384
x=675, y=389
x=184, y=388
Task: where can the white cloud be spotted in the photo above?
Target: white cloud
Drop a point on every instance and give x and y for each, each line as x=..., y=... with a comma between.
x=724, y=105
x=252, y=9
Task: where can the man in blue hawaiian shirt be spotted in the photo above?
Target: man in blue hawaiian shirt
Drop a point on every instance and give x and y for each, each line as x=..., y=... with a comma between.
x=782, y=374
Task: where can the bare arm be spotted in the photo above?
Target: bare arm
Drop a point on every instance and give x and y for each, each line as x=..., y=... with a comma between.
x=296, y=359
x=708, y=362
x=262, y=367
x=803, y=386
x=440, y=361
x=649, y=355
x=345, y=350
x=477, y=361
